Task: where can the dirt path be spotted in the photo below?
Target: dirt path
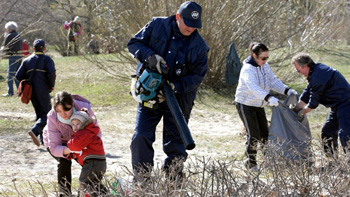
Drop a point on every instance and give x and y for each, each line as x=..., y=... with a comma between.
x=22, y=161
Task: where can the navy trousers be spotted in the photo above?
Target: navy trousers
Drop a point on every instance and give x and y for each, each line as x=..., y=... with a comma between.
x=142, y=151
x=42, y=105
x=337, y=124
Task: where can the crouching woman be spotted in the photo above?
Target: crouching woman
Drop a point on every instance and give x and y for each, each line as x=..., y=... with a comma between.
x=58, y=131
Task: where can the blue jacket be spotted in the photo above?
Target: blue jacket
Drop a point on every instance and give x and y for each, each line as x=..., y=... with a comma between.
x=326, y=86
x=45, y=75
x=186, y=56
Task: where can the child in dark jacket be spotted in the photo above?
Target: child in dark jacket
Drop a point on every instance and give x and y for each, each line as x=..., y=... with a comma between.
x=88, y=149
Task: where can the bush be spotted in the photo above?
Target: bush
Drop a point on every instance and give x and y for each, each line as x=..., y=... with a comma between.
x=277, y=176
x=287, y=27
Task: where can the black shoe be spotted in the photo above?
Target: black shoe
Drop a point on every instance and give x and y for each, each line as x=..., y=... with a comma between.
x=34, y=138
x=251, y=166
x=41, y=139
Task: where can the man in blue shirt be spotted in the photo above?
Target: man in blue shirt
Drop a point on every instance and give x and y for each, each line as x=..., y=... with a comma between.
x=328, y=87
x=176, y=42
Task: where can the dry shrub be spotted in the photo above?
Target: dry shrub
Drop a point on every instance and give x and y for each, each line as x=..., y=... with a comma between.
x=287, y=27
x=277, y=176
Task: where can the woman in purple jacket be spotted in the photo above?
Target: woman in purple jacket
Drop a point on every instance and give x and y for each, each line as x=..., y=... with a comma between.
x=58, y=132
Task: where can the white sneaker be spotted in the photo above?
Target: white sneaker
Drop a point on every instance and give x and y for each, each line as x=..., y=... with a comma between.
x=34, y=138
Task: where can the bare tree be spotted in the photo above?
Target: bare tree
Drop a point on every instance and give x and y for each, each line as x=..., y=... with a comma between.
x=286, y=27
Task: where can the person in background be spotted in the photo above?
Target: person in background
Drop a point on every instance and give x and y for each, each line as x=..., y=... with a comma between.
x=42, y=68
x=88, y=149
x=74, y=31
x=111, y=45
x=176, y=42
x=13, y=51
x=25, y=48
x=93, y=45
x=328, y=87
x=58, y=131
x=252, y=95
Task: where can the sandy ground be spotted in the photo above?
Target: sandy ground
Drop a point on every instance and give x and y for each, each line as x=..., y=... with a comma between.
x=21, y=161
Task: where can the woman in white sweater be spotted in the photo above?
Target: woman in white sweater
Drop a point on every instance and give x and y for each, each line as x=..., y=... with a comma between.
x=252, y=95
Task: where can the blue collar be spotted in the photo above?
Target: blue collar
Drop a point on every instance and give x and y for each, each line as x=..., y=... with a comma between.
x=250, y=60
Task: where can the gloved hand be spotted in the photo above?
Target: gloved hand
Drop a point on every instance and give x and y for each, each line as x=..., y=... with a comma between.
x=161, y=97
x=154, y=62
x=75, y=33
x=172, y=86
x=291, y=91
x=66, y=22
x=273, y=101
x=300, y=116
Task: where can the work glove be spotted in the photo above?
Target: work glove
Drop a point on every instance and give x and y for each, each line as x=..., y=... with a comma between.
x=75, y=33
x=161, y=97
x=273, y=101
x=291, y=91
x=154, y=62
x=172, y=86
x=300, y=116
x=66, y=22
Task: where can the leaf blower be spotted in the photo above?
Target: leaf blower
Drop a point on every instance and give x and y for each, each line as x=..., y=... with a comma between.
x=145, y=89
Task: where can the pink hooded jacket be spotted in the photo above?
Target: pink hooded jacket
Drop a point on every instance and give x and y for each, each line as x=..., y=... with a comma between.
x=55, y=132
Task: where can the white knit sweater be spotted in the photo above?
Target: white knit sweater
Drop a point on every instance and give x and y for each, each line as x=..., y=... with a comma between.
x=255, y=83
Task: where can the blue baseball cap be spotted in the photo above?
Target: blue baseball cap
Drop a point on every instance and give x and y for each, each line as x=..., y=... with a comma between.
x=191, y=12
x=39, y=43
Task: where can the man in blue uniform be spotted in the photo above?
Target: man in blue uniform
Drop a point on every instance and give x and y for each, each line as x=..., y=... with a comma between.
x=175, y=41
x=326, y=86
x=43, y=70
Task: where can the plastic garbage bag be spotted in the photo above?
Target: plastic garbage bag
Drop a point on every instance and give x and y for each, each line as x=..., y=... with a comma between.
x=289, y=133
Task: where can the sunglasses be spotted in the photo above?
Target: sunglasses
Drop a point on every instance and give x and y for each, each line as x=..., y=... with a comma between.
x=67, y=108
x=264, y=58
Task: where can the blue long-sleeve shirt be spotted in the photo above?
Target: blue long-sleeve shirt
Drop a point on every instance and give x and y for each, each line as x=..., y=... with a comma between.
x=45, y=74
x=326, y=86
x=185, y=56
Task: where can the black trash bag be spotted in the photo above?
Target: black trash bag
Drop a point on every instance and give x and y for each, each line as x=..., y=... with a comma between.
x=289, y=133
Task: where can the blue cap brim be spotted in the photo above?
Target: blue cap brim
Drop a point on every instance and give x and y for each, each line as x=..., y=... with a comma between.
x=193, y=23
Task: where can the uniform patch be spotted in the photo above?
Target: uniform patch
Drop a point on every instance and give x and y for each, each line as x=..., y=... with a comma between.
x=178, y=72
x=195, y=15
